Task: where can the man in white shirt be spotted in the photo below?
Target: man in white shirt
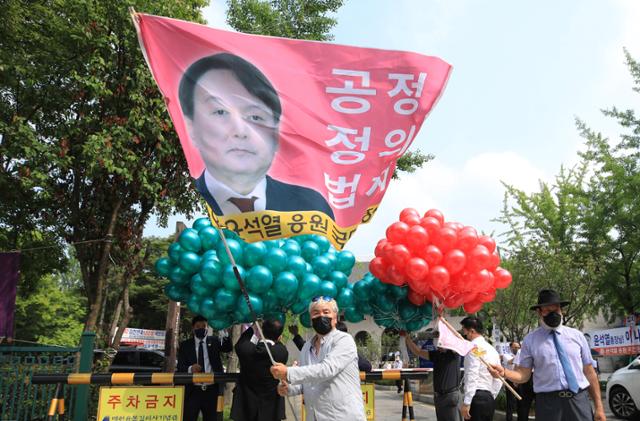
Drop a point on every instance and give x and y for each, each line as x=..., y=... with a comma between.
x=480, y=388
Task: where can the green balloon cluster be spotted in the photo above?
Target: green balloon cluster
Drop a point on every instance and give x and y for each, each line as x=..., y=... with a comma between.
x=279, y=275
x=387, y=304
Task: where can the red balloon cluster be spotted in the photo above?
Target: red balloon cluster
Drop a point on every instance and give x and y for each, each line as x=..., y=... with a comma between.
x=439, y=260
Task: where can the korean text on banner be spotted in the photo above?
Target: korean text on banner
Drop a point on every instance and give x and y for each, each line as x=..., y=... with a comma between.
x=287, y=137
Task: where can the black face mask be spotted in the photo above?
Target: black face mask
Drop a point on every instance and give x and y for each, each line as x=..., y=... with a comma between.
x=552, y=319
x=200, y=333
x=321, y=324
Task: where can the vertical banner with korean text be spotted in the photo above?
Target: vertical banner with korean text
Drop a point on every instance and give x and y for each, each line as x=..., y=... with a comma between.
x=9, y=274
x=286, y=137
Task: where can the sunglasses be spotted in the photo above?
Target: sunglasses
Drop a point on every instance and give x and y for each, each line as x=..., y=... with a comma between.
x=321, y=297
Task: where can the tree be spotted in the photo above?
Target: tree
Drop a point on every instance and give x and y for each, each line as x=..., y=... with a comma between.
x=86, y=141
x=545, y=249
x=611, y=226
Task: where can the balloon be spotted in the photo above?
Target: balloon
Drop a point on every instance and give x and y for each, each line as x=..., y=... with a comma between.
x=286, y=286
x=190, y=240
x=300, y=307
x=494, y=262
x=297, y=266
x=408, y=212
x=176, y=292
x=309, y=250
x=445, y=239
x=417, y=238
x=322, y=242
x=178, y=276
x=174, y=251
x=361, y=290
x=208, y=308
x=270, y=301
x=426, y=311
x=259, y=279
x=454, y=300
x=276, y=316
x=420, y=286
x=415, y=298
x=438, y=279
x=292, y=248
x=198, y=286
x=397, y=292
x=276, y=260
x=193, y=303
x=488, y=296
x=454, y=261
x=190, y=261
x=339, y=279
x=432, y=255
x=225, y=300
x=378, y=268
x=472, y=307
x=416, y=269
x=400, y=254
x=321, y=266
x=397, y=231
x=502, y=278
x=467, y=238
x=414, y=325
x=209, y=237
x=488, y=242
x=478, y=258
x=432, y=225
x=435, y=213
x=163, y=266
x=243, y=308
x=384, y=321
x=211, y=273
x=379, y=247
x=364, y=307
x=384, y=303
x=345, y=262
x=201, y=223
x=328, y=289
x=210, y=254
x=254, y=253
x=305, y=319
x=236, y=251
x=220, y=323
x=395, y=276
x=345, y=298
x=229, y=278
x=352, y=315
x=310, y=286
x=407, y=310
x=377, y=287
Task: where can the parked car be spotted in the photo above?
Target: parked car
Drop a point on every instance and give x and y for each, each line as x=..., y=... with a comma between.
x=623, y=391
x=138, y=360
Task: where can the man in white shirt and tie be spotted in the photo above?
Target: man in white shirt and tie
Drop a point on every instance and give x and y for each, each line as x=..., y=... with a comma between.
x=480, y=388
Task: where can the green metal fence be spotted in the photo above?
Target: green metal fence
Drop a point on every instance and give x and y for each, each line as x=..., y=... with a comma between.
x=20, y=400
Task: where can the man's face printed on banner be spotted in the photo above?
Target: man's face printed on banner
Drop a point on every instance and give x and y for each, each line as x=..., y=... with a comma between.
x=235, y=132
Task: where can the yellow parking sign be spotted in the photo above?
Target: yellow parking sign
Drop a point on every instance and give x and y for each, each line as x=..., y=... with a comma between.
x=141, y=403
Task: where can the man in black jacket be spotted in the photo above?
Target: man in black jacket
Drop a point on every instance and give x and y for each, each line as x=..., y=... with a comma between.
x=255, y=397
x=201, y=354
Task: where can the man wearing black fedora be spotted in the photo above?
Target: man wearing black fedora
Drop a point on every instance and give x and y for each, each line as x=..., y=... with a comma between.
x=560, y=360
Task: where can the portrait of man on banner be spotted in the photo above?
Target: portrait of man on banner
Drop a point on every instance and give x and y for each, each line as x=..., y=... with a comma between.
x=232, y=115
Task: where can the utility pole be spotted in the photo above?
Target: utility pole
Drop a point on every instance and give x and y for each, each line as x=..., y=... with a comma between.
x=172, y=326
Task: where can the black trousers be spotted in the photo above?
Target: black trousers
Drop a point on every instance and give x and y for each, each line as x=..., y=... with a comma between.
x=482, y=406
x=528, y=396
x=447, y=406
x=512, y=402
x=198, y=400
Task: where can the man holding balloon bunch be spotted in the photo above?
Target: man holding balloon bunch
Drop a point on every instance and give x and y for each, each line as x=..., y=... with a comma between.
x=328, y=373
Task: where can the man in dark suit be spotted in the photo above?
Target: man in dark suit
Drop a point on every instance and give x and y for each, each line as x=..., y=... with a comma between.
x=232, y=115
x=255, y=397
x=201, y=354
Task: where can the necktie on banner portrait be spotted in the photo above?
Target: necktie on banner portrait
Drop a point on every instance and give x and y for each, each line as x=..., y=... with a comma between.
x=309, y=131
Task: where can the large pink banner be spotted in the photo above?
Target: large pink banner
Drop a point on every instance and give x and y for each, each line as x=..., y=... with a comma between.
x=285, y=132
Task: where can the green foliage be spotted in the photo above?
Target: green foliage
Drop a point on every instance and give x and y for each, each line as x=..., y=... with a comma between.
x=84, y=131
x=411, y=161
x=51, y=314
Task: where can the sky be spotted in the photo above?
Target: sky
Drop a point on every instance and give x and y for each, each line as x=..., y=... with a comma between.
x=522, y=73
